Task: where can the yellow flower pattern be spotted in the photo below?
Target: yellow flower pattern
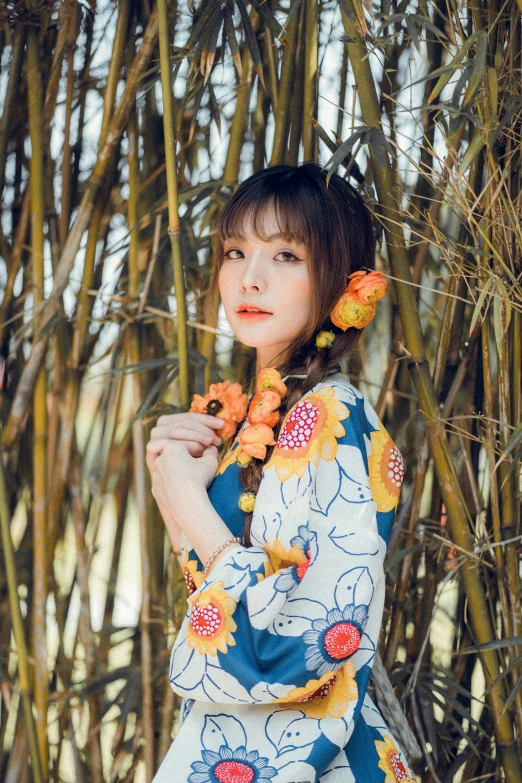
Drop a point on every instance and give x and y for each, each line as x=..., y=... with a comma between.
x=386, y=470
x=328, y=697
x=308, y=433
x=390, y=762
x=211, y=624
x=193, y=577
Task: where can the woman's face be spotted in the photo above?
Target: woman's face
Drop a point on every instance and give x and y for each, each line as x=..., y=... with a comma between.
x=272, y=276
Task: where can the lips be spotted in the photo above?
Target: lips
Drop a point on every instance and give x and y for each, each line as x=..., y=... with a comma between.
x=252, y=308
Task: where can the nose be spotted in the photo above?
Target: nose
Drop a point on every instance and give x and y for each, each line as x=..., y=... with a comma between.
x=254, y=272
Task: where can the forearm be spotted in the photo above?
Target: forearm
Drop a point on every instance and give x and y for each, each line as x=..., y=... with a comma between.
x=203, y=526
x=173, y=530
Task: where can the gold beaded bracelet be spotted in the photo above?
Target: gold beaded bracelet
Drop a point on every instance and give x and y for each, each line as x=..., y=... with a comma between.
x=216, y=553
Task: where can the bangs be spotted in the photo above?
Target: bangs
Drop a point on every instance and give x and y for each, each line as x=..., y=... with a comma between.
x=247, y=216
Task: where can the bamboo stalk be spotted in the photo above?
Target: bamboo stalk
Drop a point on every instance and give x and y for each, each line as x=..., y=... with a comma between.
x=39, y=624
x=66, y=165
x=296, y=105
x=172, y=198
x=310, y=80
x=10, y=96
x=18, y=631
x=84, y=625
x=138, y=439
x=286, y=84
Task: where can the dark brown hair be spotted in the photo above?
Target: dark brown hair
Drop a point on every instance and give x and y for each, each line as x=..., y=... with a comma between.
x=334, y=224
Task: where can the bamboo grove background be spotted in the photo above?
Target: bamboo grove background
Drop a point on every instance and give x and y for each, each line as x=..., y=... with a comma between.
x=124, y=128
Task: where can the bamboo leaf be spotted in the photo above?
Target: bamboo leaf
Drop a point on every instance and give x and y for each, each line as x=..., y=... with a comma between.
x=232, y=40
x=345, y=149
x=497, y=324
x=267, y=15
x=480, y=303
x=251, y=40
x=413, y=32
x=456, y=62
x=208, y=53
x=496, y=644
x=514, y=664
x=514, y=442
x=511, y=698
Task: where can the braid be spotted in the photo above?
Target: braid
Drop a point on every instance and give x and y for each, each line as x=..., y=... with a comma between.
x=315, y=366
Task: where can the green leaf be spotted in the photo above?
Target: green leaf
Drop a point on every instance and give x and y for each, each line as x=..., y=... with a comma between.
x=514, y=441
x=511, y=698
x=497, y=324
x=513, y=665
x=496, y=644
x=267, y=15
x=345, y=149
x=480, y=302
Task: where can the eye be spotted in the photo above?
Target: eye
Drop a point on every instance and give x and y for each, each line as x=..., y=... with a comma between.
x=232, y=250
x=287, y=253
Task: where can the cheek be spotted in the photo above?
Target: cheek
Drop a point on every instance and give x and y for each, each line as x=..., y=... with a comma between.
x=224, y=283
x=300, y=293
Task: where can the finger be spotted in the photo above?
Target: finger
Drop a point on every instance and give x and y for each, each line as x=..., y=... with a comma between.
x=184, y=419
x=203, y=436
x=155, y=448
x=210, y=421
x=200, y=433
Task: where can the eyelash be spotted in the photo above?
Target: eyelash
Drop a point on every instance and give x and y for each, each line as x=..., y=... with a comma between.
x=294, y=257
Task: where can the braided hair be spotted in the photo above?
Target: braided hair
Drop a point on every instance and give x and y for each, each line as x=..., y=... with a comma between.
x=333, y=222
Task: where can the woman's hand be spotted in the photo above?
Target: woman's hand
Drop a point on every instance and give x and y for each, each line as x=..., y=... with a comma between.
x=197, y=431
x=178, y=478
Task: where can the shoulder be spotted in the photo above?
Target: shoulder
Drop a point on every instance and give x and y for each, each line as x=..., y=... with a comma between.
x=335, y=423
x=313, y=427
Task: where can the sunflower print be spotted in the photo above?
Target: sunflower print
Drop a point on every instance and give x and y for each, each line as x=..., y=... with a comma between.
x=211, y=623
x=390, y=762
x=193, y=577
x=308, y=433
x=386, y=470
x=279, y=557
x=231, y=766
x=327, y=697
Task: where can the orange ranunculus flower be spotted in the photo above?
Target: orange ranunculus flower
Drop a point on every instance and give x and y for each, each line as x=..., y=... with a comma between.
x=350, y=311
x=254, y=439
x=369, y=288
x=230, y=402
x=262, y=409
x=270, y=378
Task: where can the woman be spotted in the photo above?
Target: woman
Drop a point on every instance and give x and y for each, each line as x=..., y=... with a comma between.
x=283, y=540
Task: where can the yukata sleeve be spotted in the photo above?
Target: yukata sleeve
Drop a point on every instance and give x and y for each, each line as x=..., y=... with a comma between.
x=293, y=621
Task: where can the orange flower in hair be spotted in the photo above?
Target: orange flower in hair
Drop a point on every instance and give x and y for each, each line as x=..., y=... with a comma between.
x=253, y=441
x=263, y=408
x=226, y=401
x=356, y=306
x=350, y=311
x=270, y=378
x=368, y=287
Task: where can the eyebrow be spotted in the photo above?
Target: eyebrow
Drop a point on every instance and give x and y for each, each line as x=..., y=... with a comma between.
x=270, y=238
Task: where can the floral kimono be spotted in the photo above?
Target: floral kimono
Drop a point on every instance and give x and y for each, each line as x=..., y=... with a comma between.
x=274, y=655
